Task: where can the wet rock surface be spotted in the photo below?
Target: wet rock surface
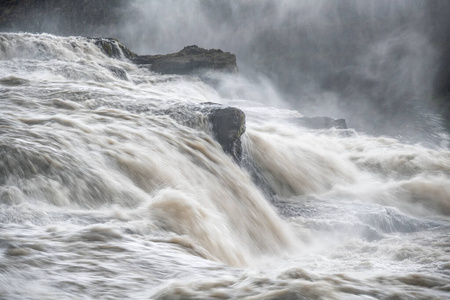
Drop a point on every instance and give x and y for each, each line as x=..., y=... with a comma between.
x=226, y=123
x=113, y=48
x=228, y=126
x=191, y=59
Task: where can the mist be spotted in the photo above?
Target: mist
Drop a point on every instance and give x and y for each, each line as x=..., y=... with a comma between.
x=381, y=64
x=370, y=62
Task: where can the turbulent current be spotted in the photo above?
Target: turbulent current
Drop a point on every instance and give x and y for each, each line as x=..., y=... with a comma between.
x=102, y=198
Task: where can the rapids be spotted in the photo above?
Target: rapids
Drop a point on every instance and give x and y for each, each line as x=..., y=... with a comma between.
x=100, y=198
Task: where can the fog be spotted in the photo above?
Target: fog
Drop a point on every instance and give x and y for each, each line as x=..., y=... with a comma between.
x=372, y=62
x=380, y=64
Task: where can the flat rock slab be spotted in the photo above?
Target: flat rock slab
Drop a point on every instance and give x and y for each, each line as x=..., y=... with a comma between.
x=190, y=60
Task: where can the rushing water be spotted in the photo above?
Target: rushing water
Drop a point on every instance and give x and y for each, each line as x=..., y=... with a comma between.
x=100, y=198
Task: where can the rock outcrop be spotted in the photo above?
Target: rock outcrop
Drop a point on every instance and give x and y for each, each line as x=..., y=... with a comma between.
x=189, y=60
x=225, y=123
x=192, y=59
x=228, y=126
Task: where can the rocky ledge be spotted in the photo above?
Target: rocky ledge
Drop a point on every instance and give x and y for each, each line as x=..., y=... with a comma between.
x=191, y=59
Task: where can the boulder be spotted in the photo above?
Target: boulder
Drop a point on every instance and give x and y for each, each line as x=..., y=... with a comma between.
x=190, y=60
x=228, y=125
x=225, y=123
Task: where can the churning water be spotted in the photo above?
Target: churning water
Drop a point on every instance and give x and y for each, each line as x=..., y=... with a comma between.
x=101, y=198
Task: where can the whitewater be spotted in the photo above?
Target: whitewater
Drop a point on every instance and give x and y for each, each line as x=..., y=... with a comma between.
x=102, y=198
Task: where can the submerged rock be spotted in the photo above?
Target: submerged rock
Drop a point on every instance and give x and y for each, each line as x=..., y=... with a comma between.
x=113, y=48
x=118, y=72
x=322, y=123
x=189, y=60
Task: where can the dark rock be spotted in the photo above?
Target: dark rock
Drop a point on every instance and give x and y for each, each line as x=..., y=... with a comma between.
x=189, y=60
x=322, y=123
x=227, y=124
